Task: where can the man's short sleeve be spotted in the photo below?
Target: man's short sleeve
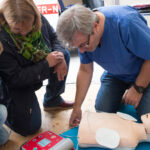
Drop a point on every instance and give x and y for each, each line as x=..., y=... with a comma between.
x=136, y=36
x=84, y=58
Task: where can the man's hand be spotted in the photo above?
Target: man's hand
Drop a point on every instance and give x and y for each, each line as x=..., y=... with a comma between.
x=61, y=70
x=75, y=117
x=54, y=58
x=132, y=97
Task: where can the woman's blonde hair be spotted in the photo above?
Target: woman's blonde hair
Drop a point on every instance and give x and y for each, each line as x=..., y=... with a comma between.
x=20, y=11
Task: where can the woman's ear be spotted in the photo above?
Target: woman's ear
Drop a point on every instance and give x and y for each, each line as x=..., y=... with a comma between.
x=2, y=19
x=1, y=48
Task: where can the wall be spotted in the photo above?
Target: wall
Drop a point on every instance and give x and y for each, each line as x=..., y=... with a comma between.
x=68, y=2
x=126, y=2
x=129, y=2
x=49, y=9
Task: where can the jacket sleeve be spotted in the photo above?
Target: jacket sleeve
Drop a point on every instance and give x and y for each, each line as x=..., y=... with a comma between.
x=50, y=36
x=19, y=72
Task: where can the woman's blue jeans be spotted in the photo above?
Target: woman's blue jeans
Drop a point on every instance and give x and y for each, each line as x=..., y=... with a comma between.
x=110, y=95
x=4, y=135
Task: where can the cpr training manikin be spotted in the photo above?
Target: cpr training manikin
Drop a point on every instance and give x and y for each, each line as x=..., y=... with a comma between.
x=117, y=131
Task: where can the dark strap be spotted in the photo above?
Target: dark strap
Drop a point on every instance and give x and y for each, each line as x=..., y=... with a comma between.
x=61, y=5
x=143, y=8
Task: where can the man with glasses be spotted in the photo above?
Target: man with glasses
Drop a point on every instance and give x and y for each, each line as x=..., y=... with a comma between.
x=118, y=39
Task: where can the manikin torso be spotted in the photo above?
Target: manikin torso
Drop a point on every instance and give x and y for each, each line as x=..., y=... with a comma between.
x=129, y=132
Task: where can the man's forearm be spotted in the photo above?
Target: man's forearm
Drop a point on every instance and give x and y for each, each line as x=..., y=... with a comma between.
x=83, y=83
x=143, y=79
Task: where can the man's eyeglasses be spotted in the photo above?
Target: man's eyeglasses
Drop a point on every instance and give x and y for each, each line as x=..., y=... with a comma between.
x=85, y=43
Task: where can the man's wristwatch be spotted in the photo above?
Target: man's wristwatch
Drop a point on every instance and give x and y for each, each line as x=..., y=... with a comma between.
x=139, y=89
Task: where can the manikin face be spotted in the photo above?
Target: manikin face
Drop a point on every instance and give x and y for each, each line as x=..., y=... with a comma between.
x=21, y=28
x=146, y=121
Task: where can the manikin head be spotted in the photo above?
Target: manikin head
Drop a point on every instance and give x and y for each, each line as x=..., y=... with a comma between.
x=146, y=122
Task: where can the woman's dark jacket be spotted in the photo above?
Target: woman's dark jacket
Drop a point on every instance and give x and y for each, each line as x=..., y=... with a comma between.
x=17, y=71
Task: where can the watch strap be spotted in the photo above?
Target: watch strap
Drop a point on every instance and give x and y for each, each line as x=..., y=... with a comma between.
x=139, y=89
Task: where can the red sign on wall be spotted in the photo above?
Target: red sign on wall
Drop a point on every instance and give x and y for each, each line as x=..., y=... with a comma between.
x=48, y=8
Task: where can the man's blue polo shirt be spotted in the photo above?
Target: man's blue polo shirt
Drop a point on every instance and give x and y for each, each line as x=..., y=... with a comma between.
x=125, y=43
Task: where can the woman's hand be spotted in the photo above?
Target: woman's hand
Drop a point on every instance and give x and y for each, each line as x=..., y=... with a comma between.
x=54, y=58
x=61, y=70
